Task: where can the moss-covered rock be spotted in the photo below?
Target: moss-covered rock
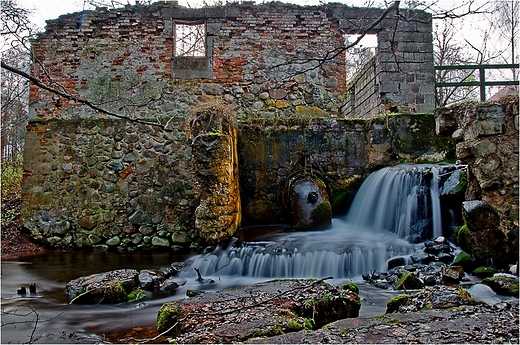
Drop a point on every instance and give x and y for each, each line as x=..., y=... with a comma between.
x=484, y=272
x=436, y=297
x=502, y=285
x=409, y=281
x=107, y=287
x=350, y=286
x=169, y=316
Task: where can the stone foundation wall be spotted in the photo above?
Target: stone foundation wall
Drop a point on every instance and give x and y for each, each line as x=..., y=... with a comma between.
x=108, y=183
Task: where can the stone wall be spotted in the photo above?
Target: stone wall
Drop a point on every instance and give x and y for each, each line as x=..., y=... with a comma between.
x=108, y=183
x=121, y=175
x=362, y=98
x=487, y=141
x=341, y=151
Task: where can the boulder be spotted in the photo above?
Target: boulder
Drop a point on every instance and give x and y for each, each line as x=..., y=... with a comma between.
x=479, y=215
x=108, y=287
x=263, y=309
x=409, y=281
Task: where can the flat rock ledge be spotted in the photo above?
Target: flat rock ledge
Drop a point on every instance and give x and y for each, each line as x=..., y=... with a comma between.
x=260, y=310
x=466, y=324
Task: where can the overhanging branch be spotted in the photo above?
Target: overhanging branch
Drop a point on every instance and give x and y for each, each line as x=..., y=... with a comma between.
x=36, y=81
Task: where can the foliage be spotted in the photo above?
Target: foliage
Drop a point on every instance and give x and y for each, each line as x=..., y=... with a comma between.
x=136, y=295
x=11, y=180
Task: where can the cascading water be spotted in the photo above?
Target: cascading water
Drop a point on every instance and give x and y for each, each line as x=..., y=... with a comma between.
x=395, y=208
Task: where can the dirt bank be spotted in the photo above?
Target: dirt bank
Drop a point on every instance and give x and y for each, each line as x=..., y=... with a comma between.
x=13, y=241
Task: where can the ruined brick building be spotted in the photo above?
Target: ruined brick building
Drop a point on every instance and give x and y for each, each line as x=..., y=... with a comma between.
x=123, y=177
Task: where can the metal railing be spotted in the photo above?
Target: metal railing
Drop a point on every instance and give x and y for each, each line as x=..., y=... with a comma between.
x=482, y=83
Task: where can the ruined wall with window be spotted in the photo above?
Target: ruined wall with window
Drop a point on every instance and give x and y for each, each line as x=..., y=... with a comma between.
x=119, y=173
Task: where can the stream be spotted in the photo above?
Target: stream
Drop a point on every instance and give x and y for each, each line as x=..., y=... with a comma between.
x=46, y=317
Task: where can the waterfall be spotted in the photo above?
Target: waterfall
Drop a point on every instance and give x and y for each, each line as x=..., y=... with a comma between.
x=395, y=208
x=403, y=199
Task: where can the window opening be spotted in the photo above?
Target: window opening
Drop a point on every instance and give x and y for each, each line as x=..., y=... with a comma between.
x=356, y=57
x=190, y=39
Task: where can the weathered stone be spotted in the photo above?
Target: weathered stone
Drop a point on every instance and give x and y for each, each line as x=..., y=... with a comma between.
x=87, y=223
x=452, y=274
x=212, y=89
x=277, y=94
x=409, y=281
x=139, y=217
x=114, y=241
x=61, y=227
x=436, y=297
x=479, y=215
x=160, y=242
x=94, y=239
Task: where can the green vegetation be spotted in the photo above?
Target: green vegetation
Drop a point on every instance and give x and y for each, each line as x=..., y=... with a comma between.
x=502, y=285
x=322, y=214
x=461, y=237
x=309, y=323
x=294, y=326
x=463, y=181
x=258, y=333
x=114, y=293
x=136, y=295
x=350, y=286
x=394, y=303
x=11, y=181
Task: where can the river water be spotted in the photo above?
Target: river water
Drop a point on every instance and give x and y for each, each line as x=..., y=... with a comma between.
x=388, y=206
x=46, y=317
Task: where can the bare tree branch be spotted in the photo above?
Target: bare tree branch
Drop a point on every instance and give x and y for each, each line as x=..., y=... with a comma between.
x=74, y=98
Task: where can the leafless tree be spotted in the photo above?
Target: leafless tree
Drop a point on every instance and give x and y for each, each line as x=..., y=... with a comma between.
x=16, y=30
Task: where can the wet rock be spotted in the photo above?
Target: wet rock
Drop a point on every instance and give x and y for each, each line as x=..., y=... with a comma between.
x=169, y=284
x=452, y=274
x=264, y=309
x=139, y=217
x=395, y=262
x=149, y=279
x=409, y=281
x=107, y=287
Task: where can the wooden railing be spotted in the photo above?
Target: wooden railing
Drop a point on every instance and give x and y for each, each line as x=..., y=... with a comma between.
x=482, y=83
